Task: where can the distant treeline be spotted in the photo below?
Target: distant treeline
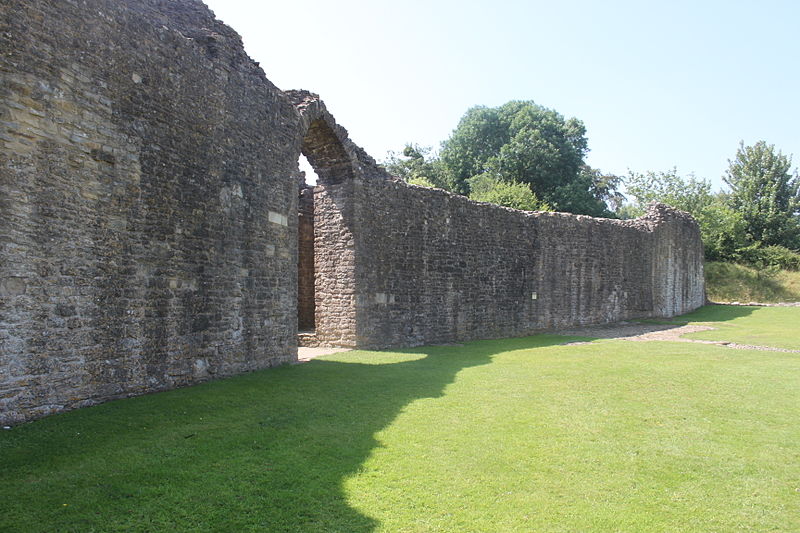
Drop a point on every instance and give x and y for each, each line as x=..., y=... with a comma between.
x=525, y=156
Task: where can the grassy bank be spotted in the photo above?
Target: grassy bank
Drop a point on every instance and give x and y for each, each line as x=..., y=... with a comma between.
x=512, y=435
x=728, y=282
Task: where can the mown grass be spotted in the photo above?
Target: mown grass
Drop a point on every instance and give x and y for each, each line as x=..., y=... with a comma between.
x=759, y=326
x=511, y=435
x=729, y=282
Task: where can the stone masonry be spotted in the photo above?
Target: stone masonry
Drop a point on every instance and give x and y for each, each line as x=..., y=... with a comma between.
x=400, y=265
x=152, y=234
x=438, y=268
x=148, y=235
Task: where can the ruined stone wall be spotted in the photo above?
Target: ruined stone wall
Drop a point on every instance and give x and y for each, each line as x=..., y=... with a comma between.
x=433, y=267
x=339, y=165
x=149, y=222
x=334, y=264
x=677, y=252
x=148, y=213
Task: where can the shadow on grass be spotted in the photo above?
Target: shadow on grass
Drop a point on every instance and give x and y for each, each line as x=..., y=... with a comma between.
x=717, y=313
x=266, y=451
x=664, y=329
x=713, y=312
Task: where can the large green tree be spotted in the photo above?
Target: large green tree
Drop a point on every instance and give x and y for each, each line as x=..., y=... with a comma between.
x=522, y=142
x=766, y=193
x=516, y=145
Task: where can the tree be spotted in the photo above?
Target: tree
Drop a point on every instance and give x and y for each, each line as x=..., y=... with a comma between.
x=687, y=194
x=722, y=230
x=519, y=144
x=721, y=227
x=417, y=165
x=524, y=143
x=766, y=194
x=603, y=199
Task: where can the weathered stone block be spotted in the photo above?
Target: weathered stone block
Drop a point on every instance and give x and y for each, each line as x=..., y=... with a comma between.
x=12, y=286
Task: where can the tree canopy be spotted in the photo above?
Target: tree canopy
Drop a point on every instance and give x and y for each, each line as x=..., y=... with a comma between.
x=766, y=193
x=517, y=144
x=757, y=222
x=416, y=165
x=721, y=227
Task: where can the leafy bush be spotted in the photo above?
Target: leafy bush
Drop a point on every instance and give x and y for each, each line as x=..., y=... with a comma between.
x=515, y=195
x=774, y=256
x=722, y=230
x=422, y=181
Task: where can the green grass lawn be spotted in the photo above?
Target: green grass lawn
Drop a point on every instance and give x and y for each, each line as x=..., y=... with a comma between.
x=511, y=435
x=758, y=326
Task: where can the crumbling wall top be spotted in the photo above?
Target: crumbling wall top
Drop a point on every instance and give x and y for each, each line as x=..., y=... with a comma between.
x=327, y=145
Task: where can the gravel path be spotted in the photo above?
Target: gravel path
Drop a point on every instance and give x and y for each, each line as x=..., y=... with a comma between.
x=638, y=332
x=759, y=304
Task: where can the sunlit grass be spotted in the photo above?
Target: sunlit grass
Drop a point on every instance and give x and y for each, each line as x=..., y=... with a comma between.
x=510, y=435
x=758, y=326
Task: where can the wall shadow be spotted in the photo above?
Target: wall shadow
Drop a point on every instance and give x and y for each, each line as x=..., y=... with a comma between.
x=642, y=329
x=717, y=313
x=266, y=451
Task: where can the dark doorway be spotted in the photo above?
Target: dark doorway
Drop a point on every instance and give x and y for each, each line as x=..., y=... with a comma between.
x=305, y=265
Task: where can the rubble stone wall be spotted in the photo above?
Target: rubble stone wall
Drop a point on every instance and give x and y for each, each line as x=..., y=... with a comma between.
x=148, y=228
x=150, y=222
x=433, y=267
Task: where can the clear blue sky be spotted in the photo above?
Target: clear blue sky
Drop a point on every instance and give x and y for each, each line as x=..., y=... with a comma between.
x=658, y=84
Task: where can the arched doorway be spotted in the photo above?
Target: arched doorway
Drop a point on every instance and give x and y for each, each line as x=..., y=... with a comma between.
x=326, y=255
x=305, y=251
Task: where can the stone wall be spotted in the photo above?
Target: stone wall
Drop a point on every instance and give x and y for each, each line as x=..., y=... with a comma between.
x=400, y=265
x=334, y=263
x=433, y=267
x=149, y=222
x=339, y=165
x=148, y=228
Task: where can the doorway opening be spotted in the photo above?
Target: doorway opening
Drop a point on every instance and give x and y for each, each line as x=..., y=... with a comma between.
x=305, y=249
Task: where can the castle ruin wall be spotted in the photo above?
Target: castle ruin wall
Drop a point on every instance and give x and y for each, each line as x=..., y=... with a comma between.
x=151, y=222
x=434, y=267
x=148, y=236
